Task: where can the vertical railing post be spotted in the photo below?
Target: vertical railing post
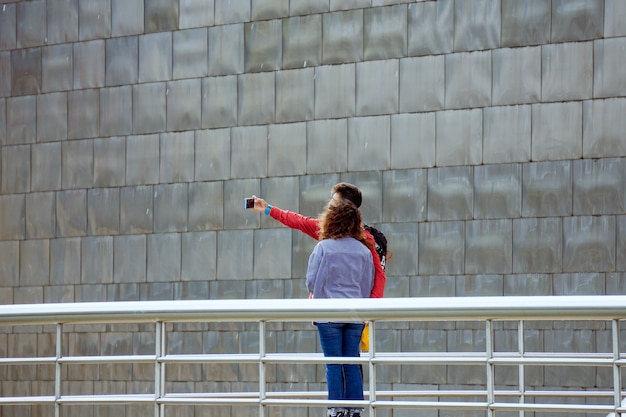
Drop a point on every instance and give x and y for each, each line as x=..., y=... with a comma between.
x=262, y=377
x=617, y=389
x=159, y=368
x=57, y=370
x=489, y=366
x=372, y=368
x=520, y=368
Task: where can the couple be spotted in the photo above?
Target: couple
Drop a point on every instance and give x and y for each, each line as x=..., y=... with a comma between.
x=344, y=264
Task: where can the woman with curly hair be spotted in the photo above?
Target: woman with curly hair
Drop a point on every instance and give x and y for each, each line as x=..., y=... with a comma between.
x=341, y=266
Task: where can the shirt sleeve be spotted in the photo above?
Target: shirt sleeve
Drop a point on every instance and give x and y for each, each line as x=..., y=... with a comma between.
x=307, y=225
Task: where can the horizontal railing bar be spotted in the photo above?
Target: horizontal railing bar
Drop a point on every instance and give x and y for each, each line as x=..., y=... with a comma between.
x=28, y=361
x=108, y=359
x=605, y=307
x=45, y=399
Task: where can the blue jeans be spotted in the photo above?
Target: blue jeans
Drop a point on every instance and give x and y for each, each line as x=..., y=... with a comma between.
x=345, y=382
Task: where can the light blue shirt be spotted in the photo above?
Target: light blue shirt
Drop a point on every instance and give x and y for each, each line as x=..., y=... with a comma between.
x=340, y=268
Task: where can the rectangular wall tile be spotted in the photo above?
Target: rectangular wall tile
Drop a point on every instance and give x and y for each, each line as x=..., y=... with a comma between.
x=127, y=17
x=247, y=143
x=413, y=140
x=256, y=98
x=335, y=91
x=450, y=193
x=235, y=265
x=40, y=215
x=497, y=191
x=468, y=79
x=598, y=186
x=295, y=95
x=103, y=211
x=9, y=262
x=488, y=246
x=16, y=172
x=329, y=138
x=46, y=166
x=51, y=117
x=149, y=108
x=235, y=216
x=77, y=164
x=129, y=259
x=177, y=157
x=116, y=110
x=525, y=22
x=164, y=257
x=71, y=212
x=369, y=140
x=65, y=261
x=477, y=25
x=136, y=209
x=190, y=53
x=554, y=136
x=537, y=245
x=226, y=49
x=268, y=243
x=34, y=262
x=422, y=84
x=302, y=41
x=97, y=260
x=603, y=125
x=459, y=137
x=441, y=248
x=155, y=57
x=286, y=150
x=170, y=207
x=566, y=71
x=376, y=87
x=342, y=37
x=589, y=244
x=385, y=32
x=262, y=45
x=12, y=217
x=507, y=134
x=21, y=119
x=57, y=64
x=575, y=20
x=516, y=75
x=205, y=209
x=212, y=154
x=547, y=189
x=89, y=64
x=430, y=27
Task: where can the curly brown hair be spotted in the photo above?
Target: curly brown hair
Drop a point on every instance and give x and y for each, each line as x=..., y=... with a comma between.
x=342, y=218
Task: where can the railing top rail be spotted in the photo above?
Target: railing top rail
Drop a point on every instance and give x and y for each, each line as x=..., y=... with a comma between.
x=602, y=307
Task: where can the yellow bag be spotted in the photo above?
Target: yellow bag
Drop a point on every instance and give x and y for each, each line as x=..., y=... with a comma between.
x=365, y=338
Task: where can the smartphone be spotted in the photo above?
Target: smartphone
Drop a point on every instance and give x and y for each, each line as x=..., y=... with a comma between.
x=248, y=203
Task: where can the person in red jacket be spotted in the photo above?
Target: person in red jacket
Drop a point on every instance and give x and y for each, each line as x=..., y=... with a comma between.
x=310, y=226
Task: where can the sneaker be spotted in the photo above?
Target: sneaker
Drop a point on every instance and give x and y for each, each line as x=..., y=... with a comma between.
x=337, y=412
x=354, y=413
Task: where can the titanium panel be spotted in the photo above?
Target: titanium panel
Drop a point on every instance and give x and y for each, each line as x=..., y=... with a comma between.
x=283, y=192
x=184, y=104
x=577, y=284
x=477, y=25
x=468, y=79
x=507, y=134
x=256, y=98
x=40, y=215
x=190, y=53
x=302, y=41
x=149, y=108
x=3, y=122
x=46, y=166
x=525, y=22
x=65, y=261
x=212, y=153
x=342, y=37
x=129, y=259
x=196, y=13
x=369, y=140
x=83, y=114
x=127, y=18
x=89, y=65
x=412, y=140
x=116, y=111
x=295, y=95
x=57, y=63
x=227, y=11
x=71, y=212
x=620, y=250
x=567, y=71
x=589, y=244
x=170, y=207
x=608, y=78
x=315, y=191
x=377, y=87
x=206, y=211
x=219, y=101
x=12, y=217
x=267, y=244
x=262, y=46
x=404, y=196
x=557, y=131
x=327, y=146
x=155, y=57
x=527, y=284
x=576, y=20
x=308, y=7
x=199, y=256
x=34, y=263
x=235, y=260
x=62, y=21
x=21, y=119
x=103, y=211
x=385, y=32
x=450, y=193
x=136, y=209
x=335, y=91
x=31, y=24
x=8, y=27
x=489, y=246
x=109, y=162
x=226, y=49
x=122, y=64
x=404, y=238
x=422, y=84
x=25, y=71
x=349, y=4
x=5, y=68
x=248, y=158
x=142, y=159
x=598, y=186
x=547, y=189
x=164, y=258
x=161, y=15
x=286, y=149
x=94, y=19
x=15, y=169
x=603, y=128
x=497, y=191
x=177, y=157
x=473, y=286
x=371, y=185
x=516, y=75
x=614, y=18
x=459, y=137
x=77, y=165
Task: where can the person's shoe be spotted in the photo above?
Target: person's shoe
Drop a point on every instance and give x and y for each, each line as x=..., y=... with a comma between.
x=354, y=413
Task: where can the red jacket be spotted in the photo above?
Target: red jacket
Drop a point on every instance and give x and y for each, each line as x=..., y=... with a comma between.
x=310, y=226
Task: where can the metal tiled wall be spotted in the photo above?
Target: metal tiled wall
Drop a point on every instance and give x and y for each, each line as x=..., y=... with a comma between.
x=487, y=137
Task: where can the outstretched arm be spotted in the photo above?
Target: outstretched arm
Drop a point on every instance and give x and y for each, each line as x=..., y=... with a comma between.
x=307, y=225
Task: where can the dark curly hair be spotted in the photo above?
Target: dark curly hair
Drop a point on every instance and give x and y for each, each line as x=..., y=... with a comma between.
x=342, y=218
x=349, y=192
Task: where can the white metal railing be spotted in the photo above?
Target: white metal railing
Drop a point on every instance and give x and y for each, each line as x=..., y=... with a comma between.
x=611, y=309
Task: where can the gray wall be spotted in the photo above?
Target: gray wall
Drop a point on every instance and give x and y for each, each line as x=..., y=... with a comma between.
x=487, y=137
